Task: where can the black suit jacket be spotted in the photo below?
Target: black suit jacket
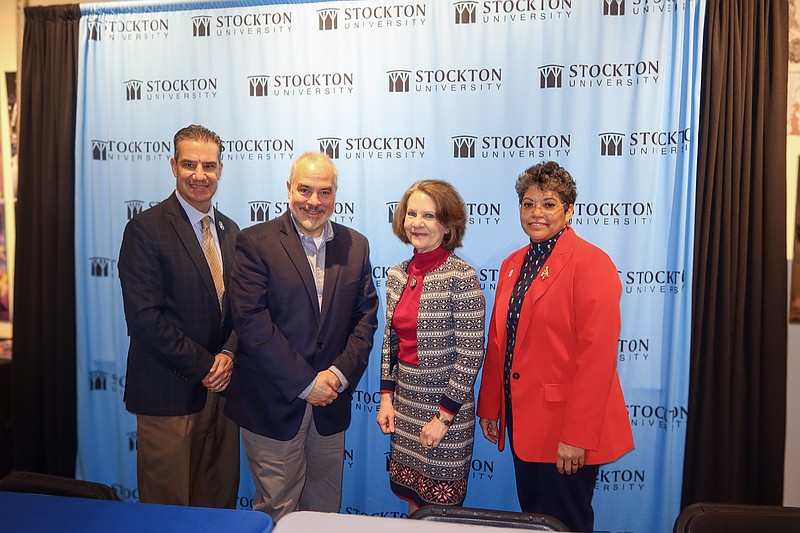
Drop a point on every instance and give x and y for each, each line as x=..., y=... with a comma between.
x=285, y=339
x=174, y=321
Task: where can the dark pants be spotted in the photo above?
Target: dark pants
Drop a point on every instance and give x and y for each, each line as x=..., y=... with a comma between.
x=542, y=490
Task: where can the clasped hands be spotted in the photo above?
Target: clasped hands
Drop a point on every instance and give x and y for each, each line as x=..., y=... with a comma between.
x=219, y=376
x=431, y=434
x=325, y=389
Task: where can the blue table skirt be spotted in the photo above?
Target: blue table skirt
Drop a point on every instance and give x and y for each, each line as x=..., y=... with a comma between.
x=37, y=512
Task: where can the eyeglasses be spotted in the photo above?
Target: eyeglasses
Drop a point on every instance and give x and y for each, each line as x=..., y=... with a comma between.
x=548, y=207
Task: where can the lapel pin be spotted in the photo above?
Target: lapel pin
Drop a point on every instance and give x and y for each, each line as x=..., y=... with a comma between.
x=221, y=225
x=545, y=273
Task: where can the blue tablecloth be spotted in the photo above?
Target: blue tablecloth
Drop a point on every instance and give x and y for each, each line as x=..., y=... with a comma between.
x=37, y=512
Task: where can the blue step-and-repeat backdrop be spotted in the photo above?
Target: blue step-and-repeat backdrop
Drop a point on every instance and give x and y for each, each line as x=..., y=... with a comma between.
x=472, y=92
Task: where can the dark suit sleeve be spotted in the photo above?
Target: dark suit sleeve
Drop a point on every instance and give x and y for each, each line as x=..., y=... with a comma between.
x=363, y=322
x=259, y=337
x=231, y=344
x=227, y=246
x=145, y=298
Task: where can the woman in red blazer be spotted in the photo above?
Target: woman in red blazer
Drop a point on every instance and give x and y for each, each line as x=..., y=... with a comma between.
x=550, y=371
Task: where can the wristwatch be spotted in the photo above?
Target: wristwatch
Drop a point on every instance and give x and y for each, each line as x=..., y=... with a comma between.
x=444, y=421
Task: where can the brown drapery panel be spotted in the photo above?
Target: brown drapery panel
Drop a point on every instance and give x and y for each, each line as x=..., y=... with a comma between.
x=44, y=396
x=737, y=385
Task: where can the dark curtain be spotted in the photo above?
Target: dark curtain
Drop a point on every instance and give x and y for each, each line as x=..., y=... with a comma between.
x=737, y=385
x=44, y=395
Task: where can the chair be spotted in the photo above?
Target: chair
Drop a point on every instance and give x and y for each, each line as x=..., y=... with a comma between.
x=737, y=518
x=34, y=483
x=488, y=517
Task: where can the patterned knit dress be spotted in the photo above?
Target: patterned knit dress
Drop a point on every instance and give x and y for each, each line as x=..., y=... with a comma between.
x=450, y=350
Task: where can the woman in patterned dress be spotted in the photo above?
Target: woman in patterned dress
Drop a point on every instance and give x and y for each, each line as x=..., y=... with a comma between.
x=433, y=348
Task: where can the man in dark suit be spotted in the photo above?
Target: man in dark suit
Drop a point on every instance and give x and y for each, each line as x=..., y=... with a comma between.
x=174, y=266
x=304, y=307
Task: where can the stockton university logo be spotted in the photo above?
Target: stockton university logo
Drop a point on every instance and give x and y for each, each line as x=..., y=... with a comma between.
x=465, y=12
x=391, y=208
x=658, y=417
x=328, y=19
x=373, y=147
x=98, y=380
x=635, y=349
x=488, y=278
x=94, y=30
x=379, y=275
x=257, y=149
x=464, y=146
x=259, y=211
x=134, y=207
x=101, y=267
x=330, y=146
x=550, y=76
x=171, y=89
x=611, y=143
x=201, y=26
x=398, y=80
x=99, y=150
x=259, y=85
x=620, y=480
x=349, y=457
x=653, y=281
x=616, y=214
x=613, y=8
x=646, y=143
x=133, y=440
x=133, y=90
x=130, y=151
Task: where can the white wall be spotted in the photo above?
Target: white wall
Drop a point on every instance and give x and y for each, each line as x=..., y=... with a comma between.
x=791, y=485
x=8, y=35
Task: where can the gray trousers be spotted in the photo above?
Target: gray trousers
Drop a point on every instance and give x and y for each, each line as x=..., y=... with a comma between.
x=301, y=474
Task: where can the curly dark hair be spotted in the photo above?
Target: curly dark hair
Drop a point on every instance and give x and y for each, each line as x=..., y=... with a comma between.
x=548, y=176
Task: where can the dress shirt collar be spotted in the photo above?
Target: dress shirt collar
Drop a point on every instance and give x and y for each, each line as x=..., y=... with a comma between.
x=327, y=231
x=194, y=215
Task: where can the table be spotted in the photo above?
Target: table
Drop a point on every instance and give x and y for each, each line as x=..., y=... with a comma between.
x=313, y=522
x=38, y=512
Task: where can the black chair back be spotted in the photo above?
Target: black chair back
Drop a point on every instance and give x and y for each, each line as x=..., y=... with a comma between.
x=737, y=518
x=488, y=517
x=31, y=482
